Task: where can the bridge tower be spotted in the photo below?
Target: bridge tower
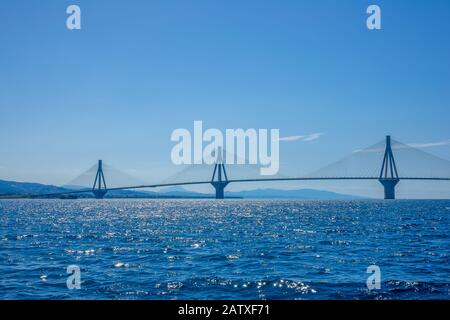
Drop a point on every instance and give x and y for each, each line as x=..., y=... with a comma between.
x=388, y=174
x=219, y=178
x=99, y=188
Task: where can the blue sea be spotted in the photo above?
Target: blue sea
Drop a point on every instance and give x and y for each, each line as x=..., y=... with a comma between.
x=232, y=249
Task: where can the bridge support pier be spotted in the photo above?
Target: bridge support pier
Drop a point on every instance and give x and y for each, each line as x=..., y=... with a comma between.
x=219, y=178
x=99, y=194
x=220, y=189
x=99, y=188
x=389, y=174
x=389, y=188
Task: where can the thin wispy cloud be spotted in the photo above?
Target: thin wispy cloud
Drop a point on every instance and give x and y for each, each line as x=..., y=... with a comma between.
x=307, y=137
x=408, y=145
x=430, y=144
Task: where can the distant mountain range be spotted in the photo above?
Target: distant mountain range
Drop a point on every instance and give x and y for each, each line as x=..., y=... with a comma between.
x=12, y=188
x=20, y=188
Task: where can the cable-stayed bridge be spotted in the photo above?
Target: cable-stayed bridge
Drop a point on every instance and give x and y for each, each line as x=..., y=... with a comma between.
x=388, y=162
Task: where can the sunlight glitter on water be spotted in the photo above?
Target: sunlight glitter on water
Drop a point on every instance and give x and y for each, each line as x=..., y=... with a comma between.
x=199, y=249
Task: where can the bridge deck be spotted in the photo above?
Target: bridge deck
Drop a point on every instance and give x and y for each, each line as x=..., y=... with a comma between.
x=229, y=181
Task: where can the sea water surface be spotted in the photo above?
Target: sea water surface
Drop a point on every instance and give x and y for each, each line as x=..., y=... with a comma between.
x=233, y=249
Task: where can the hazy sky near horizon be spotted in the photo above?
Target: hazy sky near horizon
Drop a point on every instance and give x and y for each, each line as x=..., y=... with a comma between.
x=137, y=70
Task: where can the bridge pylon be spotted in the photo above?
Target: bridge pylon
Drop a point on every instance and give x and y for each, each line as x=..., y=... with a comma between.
x=388, y=174
x=99, y=188
x=219, y=178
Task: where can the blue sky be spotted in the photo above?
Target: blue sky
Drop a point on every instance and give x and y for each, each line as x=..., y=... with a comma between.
x=137, y=70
